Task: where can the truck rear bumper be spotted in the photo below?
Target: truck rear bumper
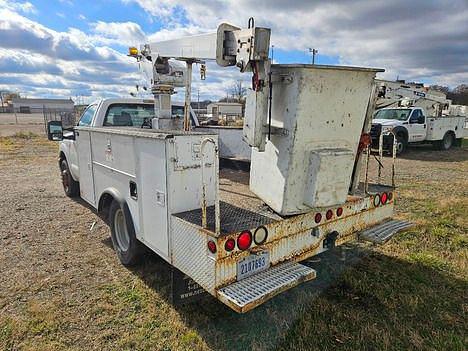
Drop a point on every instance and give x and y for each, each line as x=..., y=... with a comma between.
x=290, y=240
x=246, y=294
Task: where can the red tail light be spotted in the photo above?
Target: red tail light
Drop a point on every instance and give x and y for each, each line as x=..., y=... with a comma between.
x=230, y=245
x=244, y=240
x=212, y=246
x=329, y=214
x=383, y=198
x=339, y=211
x=318, y=217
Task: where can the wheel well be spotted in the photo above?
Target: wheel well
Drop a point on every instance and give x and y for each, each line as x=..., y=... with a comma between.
x=402, y=134
x=61, y=156
x=451, y=132
x=104, y=205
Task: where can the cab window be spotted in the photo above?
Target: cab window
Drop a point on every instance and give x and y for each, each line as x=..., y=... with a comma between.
x=128, y=115
x=415, y=116
x=87, y=116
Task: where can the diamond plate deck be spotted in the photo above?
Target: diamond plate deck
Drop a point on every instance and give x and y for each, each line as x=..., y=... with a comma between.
x=233, y=218
x=250, y=292
x=384, y=231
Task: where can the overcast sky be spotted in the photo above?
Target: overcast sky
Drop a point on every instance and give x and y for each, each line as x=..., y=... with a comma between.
x=69, y=48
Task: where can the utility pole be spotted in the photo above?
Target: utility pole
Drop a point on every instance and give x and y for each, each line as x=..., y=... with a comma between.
x=198, y=95
x=313, y=52
x=272, y=52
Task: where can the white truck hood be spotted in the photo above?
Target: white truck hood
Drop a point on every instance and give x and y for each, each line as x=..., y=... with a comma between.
x=387, y=122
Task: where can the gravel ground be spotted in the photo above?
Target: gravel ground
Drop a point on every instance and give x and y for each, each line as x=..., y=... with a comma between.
x=59, y=275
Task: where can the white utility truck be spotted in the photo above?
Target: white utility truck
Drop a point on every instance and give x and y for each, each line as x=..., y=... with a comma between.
x=412, y=113
x=164, y=190
x=412, y=125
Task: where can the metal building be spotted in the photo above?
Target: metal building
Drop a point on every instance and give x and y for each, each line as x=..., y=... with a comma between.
x=218, y=109
x=25, y=105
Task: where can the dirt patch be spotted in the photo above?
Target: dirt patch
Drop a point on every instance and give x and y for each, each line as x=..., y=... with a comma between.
x=12, y=123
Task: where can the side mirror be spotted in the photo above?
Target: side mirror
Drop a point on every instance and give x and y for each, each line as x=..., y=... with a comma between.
x=54, y=130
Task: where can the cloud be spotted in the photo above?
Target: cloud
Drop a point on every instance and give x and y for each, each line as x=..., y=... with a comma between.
x=35, y=59
x=120, y=33
x=24, y=7
x=417, y=40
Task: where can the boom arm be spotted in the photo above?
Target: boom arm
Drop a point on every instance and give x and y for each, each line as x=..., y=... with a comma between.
x=246, y=49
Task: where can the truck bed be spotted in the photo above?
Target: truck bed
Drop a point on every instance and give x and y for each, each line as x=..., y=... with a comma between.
x=240, y=208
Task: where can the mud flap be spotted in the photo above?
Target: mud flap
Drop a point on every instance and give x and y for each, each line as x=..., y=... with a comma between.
x=184, y=289
x=382, y=232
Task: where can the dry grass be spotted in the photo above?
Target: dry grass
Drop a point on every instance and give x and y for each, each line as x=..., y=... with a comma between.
x=61, y=286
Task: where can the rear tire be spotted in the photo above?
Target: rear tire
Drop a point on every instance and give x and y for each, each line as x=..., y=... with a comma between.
x=447, y=141
x=70, y=186
x=128, y=248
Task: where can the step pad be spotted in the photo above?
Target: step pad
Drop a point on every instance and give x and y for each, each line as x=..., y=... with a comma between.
x=384, y=231
x=250, y=292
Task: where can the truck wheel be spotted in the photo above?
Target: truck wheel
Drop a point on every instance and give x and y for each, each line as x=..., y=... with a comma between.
x=70, y=186
x=447, y=142
x=401, y=144
x=126, y=245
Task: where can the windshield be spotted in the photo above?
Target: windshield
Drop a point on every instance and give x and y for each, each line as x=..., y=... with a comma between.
x=399, y=114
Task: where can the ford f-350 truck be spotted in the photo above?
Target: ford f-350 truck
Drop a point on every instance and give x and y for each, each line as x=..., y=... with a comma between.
x=412, y=125
x=241, y=235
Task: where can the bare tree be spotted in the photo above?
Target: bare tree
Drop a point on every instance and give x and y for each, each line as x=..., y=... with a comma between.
x=238, y=91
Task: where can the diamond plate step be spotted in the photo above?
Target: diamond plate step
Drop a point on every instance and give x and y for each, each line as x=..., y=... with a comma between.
x=384, y=231
x=250, y=292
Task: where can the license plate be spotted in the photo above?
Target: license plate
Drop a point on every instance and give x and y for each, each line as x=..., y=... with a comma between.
x=253, y=264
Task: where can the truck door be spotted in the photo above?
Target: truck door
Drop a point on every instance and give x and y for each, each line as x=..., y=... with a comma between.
x=83, y=148
x=417, y=127
x=84, y=156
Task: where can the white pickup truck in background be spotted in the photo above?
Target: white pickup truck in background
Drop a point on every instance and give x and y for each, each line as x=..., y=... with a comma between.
x=413, y=125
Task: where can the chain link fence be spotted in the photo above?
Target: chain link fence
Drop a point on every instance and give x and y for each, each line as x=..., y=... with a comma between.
x=68, y=117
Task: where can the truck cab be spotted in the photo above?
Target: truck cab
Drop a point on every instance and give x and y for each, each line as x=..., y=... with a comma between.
x=111, y=112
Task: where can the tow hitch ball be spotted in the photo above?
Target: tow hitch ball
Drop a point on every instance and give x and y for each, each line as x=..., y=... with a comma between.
x=330, y=239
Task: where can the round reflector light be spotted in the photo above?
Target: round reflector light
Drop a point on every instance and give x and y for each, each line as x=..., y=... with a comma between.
x=230, y=244
x=260, y=235
x=212, y=246
x=383, y=198
x=244, y=240
x=318, y=217
x=339, y=211
x=329, y=214
x=376, y=200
